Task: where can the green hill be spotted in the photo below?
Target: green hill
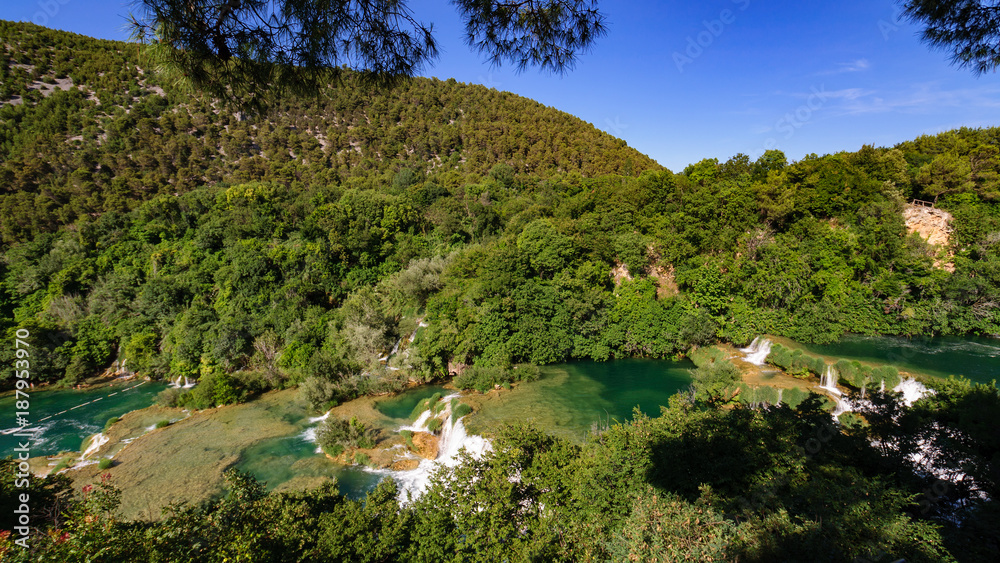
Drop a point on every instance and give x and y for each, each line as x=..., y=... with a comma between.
x=148, y=225
x=86, y=130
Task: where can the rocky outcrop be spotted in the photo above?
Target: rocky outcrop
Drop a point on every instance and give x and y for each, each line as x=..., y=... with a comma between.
x=934, y=226
x=426, y=445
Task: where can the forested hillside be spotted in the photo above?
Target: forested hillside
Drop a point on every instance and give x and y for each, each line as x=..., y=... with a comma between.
x=86, y=130
x=150, y=226
x=356, y=242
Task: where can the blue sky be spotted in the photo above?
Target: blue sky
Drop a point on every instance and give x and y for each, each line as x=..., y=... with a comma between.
x=683, y=81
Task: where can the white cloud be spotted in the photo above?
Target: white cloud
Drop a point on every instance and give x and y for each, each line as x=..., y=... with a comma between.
x=858, y=65
x=922, y=98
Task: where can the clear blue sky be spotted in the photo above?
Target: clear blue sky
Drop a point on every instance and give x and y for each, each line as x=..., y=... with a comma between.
x=682, y=81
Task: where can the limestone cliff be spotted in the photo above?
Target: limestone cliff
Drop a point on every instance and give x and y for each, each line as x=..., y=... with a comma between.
x=934, y=226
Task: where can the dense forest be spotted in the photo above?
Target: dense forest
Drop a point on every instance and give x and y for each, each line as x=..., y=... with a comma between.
x=469, y=230
x=147, y=226
x=694, y=484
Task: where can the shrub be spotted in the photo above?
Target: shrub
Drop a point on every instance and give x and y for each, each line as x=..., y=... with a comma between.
x=319, y=392
x=434, y=425
x=346, y=434
x=793, y=397
x=169, y=397
x=361, y=458
x=408, y=438
x=424, y=405
x=850, y=420
x=484, y=378
x=63, y=464
x=716, y=383
x=795, y=362
x=111, y=421
x=163, y=423
x=105, y=463
x=461, y=410
x=706, y=355
x=888, y=374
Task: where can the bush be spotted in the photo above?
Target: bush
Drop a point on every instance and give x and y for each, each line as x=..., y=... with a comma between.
x=484, y=378
x=461, y=410
x=424, y=405
x=888, y=374
x=408, y=438
x=361, y=458
x=63, y=464
x=795, y=362
x=111, y=421
x=716, y=383
x=105, y=463
x=434, y=425
x=163, y=424
x=169, y=397
x=320, y=393
x=706, y=355
x=793, y=397
x=334, y=432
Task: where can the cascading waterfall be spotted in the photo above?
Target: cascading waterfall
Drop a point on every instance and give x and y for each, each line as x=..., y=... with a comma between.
x=454, y=438
x=828, y=382
x=757, y=352
x=912, y=391
x=420, y=325
x=187, y=384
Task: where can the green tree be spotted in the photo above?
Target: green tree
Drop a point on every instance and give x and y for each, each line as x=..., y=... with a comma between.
x=966, y=28
x=247, y=51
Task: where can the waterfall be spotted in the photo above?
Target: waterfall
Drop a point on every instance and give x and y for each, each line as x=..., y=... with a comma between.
x=96, y=442
x=780, y=391
x=828, y=382
x=420, y=324
x=912, y=391
x=757, y=352
x=454, y=438
x=843, y=405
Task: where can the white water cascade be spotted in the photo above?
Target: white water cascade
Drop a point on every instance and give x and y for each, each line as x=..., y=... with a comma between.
x=828, y=383
x=757, y=352
x=912, y=391
x=187, y=384
x=454, y=438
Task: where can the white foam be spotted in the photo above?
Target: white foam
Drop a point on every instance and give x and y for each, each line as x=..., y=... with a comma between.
x=757, y=352
x=95, y=444
x=453, y=441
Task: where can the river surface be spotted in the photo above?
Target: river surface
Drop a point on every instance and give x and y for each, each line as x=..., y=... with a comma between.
x=63, y=418
x=568, y=401
x=975, y=358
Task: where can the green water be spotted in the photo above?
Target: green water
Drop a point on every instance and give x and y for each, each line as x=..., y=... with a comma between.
x=290, y=459
x=975, y=358
x=569, y=398
x=403, y=404
x=63, y=418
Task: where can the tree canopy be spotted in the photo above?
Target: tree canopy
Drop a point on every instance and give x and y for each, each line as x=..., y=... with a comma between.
x=249, y=51
x=969, y=29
